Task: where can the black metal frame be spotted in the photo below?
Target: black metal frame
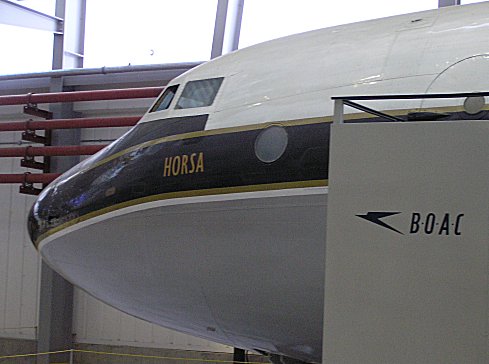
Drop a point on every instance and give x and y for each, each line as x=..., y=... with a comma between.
x=347, y=100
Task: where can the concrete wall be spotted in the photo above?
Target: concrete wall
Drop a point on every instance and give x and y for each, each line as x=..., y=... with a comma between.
x=16, y=346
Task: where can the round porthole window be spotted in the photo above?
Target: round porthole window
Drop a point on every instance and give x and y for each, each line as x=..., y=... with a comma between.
x=474, y=104
x=271, y=143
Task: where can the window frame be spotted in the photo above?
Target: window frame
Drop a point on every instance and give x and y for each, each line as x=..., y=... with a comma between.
x=159, y=101
x=214, y=97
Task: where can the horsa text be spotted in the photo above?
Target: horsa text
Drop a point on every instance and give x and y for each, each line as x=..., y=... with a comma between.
x=183, y=164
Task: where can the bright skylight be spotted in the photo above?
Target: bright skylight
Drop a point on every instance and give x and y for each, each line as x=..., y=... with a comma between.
x=268, y=19
x=25, y=50
x=119, y=33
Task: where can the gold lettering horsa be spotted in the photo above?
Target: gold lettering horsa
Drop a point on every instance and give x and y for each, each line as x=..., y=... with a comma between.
x=183, y=164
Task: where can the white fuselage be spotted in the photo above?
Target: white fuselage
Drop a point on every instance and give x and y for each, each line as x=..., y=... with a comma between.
x=244, y=265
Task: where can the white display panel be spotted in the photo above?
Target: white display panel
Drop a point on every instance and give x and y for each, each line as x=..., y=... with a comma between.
x=407, y=243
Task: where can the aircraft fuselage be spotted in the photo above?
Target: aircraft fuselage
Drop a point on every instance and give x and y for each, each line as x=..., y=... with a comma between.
x=209, y=216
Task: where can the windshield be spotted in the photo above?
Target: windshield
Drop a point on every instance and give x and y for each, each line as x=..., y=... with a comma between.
x=165, y=100
x=199, y=93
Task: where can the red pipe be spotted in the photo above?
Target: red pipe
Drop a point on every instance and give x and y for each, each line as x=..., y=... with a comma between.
x=69, y=123
x=29, y=178
x=50, y=151
x=118, y=94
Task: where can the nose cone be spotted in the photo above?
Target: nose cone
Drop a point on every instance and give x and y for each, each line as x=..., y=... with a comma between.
x=102, y=183
x=42, y=215
x=62, y=202
x=33, y=226
x=34, y=223
x=57, y=205
x=130, y=169
x=95, y=183
x=53, y=208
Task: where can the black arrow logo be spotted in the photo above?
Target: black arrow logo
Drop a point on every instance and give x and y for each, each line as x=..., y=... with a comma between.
x=376, y=216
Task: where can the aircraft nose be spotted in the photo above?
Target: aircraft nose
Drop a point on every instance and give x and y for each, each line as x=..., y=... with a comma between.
x=131, y=170
x=91, y=188
x=46, y=212
x=38, y=220
x=57, y=204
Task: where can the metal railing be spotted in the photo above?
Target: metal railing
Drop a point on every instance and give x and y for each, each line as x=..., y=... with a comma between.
x=29, y=128
x=341, y=101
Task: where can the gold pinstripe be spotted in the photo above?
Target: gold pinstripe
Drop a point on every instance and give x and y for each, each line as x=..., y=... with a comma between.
x=237, y=129
x=198, y=134
x=227, y=190
x=181, y=194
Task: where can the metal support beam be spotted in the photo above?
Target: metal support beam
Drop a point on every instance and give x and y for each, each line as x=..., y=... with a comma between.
x=21, y=16
x=74, y=50
x=443, y=3
x=69, y=47
x=219, y=28
x=55, y=315
x=227, y=27
x=56, y=294
x=235, y=15
x=339, y=112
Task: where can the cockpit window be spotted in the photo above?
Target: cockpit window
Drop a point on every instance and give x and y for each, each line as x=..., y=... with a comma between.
x=199, y=93
x=165, y=100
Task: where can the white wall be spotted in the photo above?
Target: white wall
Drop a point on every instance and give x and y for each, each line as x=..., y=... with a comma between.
x=19, y=261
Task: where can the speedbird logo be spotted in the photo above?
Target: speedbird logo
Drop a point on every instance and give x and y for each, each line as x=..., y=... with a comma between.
x=419, y=223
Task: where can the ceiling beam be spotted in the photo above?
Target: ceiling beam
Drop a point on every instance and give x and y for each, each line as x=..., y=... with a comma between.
x=21, y=16
x=68, y=47
x=227, y=27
